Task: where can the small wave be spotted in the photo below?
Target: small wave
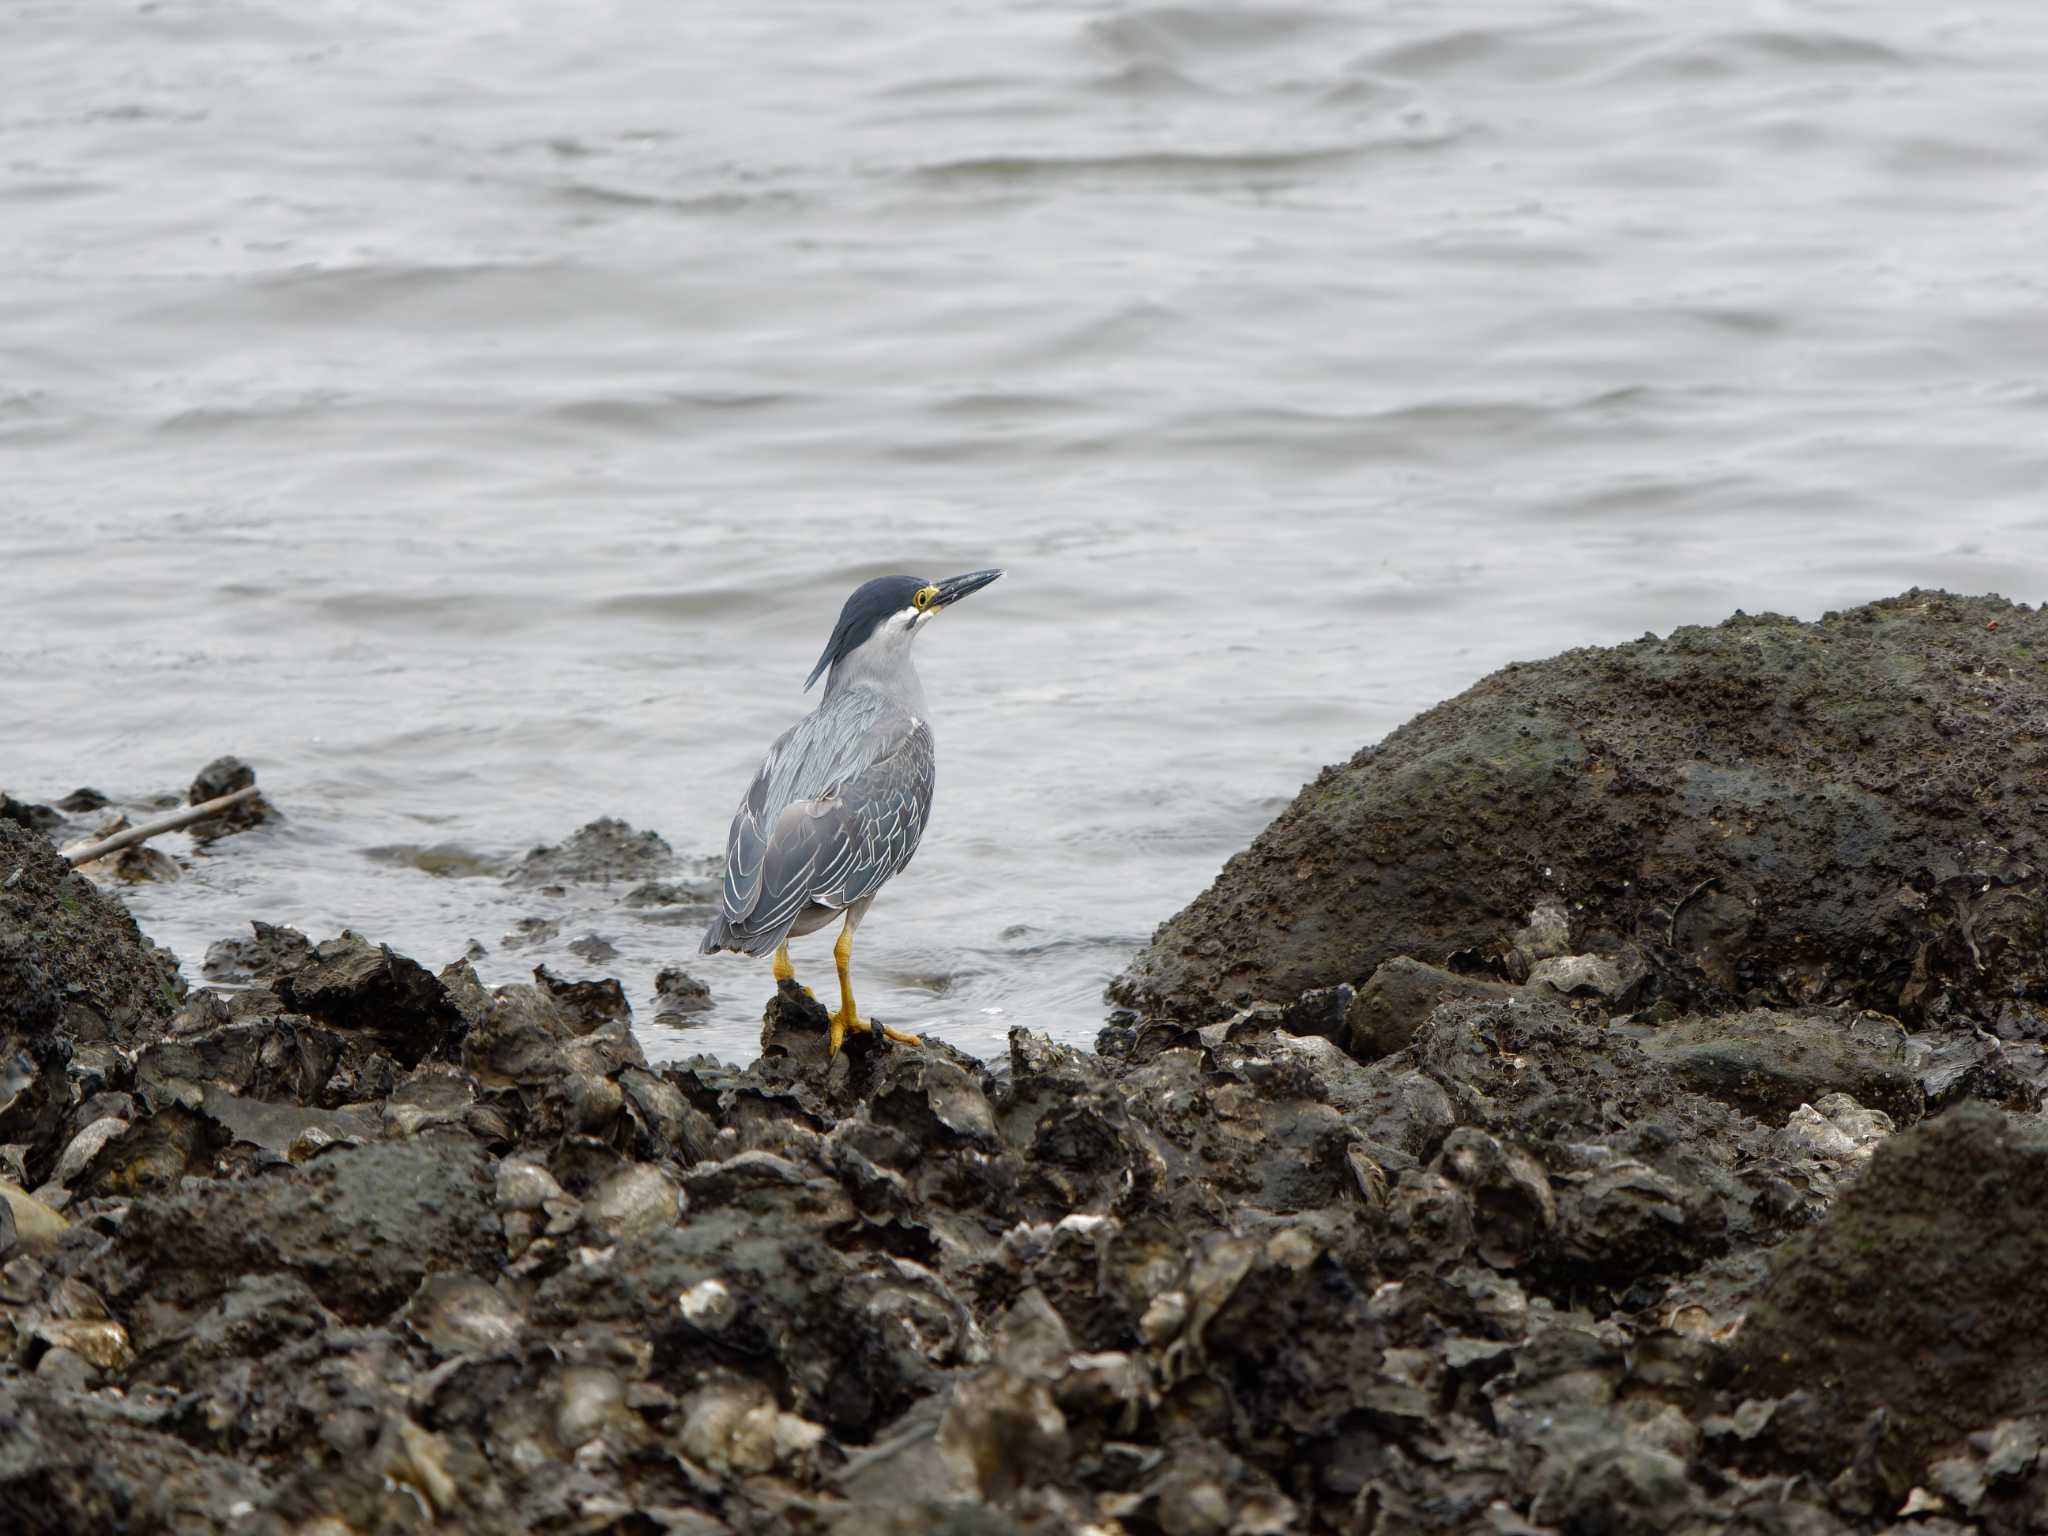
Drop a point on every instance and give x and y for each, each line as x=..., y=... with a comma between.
x=1730, y=54
x=1183, y=34
x=685, y=607
x=605, y=195
x=1152, y=166
x=1427, y=431
x=978, y=404
x=1148, y=79
x=204, y=420
x=438, y=610
x=661, y=415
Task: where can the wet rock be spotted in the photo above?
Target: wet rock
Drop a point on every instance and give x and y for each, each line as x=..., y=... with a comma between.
x=83, y=799
x=604, y=851
x=72, y=961
x=442, y=861
x=679, y=994
x=592, y=948
x=271, y=952
x=138, y=864
x=223, y=776
x=1839, y=812
x=33, y=818
x=368, y=990
x=1937, y=1240
x=529, y=932
x=1768, y=1062
x=672, y=901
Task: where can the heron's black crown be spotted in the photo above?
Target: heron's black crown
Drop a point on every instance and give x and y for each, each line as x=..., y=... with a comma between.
x=872, y=602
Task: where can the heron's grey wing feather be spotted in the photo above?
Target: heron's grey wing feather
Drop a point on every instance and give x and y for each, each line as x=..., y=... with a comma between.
x=746, y=844
x=843, y=843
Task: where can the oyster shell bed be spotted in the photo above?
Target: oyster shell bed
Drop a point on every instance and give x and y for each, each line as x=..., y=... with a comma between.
x=1551, y=1244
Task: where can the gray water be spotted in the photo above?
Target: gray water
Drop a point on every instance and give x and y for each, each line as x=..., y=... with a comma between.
x=474, y=413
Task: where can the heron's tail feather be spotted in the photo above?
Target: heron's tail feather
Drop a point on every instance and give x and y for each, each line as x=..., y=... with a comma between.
x=718, y=936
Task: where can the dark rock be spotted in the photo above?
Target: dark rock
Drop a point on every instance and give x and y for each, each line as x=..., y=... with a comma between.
x=35, y=1100
x=139, y=863
x=593, y=948
x=1958, y=1066
x=33, y=818
x=678, y=993
x=223, y=776
x=604, y=851
x=457, y=1257
x=362, y=1226
x=368, y=990
x=272, y=952
x=442, y=861
x=281, y=1058
x=1921, y=1291
x=81, y=800
x=585, y=1005
x=1393, y=1003
x=1843, y=812
x=71, y=959
x=530, y=931
x=1321, y=1013
x=72, y=1462
x=692, y=895
x=1768, y=1062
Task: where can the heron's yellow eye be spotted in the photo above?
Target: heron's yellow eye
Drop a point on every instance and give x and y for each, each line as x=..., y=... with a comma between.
x=926, y=596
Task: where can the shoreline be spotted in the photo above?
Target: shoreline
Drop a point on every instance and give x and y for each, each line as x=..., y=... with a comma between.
x=1525, y=1224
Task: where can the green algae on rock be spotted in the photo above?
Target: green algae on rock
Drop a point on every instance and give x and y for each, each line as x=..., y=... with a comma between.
x=71, y=956
x=1922, y=1291
x=1854, y=810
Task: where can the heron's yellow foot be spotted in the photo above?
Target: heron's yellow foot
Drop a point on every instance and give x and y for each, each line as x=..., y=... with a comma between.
x=846, y=1019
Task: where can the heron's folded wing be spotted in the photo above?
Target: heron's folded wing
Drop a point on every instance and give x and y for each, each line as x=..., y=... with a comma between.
x=746, y=843
x=836, y=847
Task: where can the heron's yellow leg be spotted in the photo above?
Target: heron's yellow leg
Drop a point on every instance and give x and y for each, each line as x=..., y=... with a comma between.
x=848, y=1017
x=784, y=971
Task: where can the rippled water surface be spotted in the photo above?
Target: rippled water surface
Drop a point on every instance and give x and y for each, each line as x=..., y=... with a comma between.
x=474, y=413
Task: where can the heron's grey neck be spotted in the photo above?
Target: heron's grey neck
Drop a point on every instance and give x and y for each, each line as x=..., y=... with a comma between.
x=889, y=674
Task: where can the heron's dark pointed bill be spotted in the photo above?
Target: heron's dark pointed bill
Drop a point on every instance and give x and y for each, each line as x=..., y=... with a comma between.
x=953, y=588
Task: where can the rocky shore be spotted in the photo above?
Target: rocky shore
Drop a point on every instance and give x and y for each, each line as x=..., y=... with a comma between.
x=1610, y=1106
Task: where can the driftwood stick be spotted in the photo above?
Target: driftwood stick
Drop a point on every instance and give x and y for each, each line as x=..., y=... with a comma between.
x=142, y=832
